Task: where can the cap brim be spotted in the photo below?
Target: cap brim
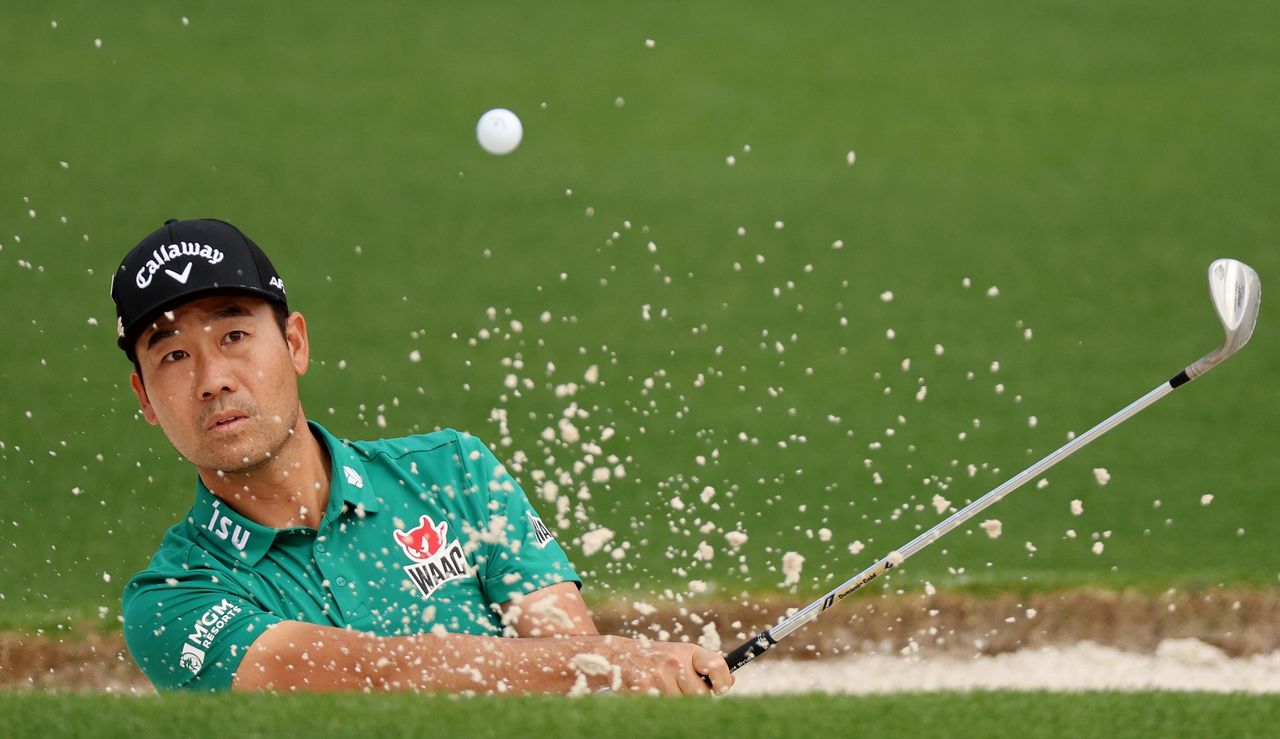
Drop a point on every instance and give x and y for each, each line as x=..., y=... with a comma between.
x=139, y=325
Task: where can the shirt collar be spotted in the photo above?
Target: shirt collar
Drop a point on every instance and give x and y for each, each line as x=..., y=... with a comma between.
x=349, y=479
x=242, y=538
x=248, y=540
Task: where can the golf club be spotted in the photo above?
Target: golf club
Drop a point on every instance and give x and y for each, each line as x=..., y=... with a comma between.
x=1236, y=292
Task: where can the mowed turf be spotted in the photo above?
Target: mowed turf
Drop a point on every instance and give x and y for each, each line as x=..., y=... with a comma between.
x=938, y=714
x=1086, y=159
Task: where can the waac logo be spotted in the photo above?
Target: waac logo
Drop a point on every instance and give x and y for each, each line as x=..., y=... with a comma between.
x=423, y=542
x=437, y=560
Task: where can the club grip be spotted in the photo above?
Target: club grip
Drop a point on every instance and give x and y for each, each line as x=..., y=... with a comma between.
x=747, y=651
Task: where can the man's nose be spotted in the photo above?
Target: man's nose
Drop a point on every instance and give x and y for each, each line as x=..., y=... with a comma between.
x=214, y=376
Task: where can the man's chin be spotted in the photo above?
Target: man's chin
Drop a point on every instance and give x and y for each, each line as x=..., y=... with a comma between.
x=244, y=448
x=231, y=455
x=241, y=464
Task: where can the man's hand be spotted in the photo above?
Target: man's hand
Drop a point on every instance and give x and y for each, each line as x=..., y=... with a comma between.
x=666, y=668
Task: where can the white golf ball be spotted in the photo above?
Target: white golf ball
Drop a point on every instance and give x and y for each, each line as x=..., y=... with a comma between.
x=499, y=131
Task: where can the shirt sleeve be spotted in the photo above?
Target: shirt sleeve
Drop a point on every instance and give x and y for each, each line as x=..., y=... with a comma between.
x=189, y=632
x=522, y=553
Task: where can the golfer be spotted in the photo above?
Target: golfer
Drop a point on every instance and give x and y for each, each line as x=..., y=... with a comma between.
x=308, y=562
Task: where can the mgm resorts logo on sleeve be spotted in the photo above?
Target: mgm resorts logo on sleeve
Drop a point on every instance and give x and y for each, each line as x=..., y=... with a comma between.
x=203, y=633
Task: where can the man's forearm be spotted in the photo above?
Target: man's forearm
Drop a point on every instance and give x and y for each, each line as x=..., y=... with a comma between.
x=457, y=662
x=298, y=656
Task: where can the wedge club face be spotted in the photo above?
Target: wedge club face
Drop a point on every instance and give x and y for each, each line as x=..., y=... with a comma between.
x=1237, y=294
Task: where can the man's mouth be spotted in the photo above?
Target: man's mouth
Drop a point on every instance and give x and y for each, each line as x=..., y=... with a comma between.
x=226, y=422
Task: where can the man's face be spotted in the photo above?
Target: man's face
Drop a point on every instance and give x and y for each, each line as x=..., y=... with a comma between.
x=221, y=381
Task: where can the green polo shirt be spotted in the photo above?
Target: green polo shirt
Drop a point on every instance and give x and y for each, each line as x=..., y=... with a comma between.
x=422, y=533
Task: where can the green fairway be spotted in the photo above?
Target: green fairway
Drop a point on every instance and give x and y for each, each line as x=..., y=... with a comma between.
x=933, y=714
x=1087, y=159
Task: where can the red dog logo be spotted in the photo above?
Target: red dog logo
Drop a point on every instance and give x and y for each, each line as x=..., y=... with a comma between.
x=423, y=541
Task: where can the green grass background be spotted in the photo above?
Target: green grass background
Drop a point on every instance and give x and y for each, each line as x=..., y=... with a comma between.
x=1088, y=158
x=936, y=714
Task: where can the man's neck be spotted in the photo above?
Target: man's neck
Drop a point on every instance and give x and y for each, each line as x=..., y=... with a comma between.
x=290, y=489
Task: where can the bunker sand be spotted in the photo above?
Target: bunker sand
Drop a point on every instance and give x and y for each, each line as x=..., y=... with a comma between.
x=1218, y=630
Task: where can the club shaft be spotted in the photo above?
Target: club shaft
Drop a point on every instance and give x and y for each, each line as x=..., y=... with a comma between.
x=764, y=641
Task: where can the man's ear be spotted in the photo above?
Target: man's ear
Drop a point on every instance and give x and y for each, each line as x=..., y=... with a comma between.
x=144, y=402
x=296, y=337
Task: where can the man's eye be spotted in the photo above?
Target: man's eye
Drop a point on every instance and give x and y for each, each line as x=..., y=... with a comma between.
x=174, y=356
x=234, y=336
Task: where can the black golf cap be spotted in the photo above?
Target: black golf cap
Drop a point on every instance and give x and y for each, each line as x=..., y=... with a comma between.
x=182, y=261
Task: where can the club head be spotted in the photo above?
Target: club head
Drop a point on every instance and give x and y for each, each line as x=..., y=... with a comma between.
x=1237, y=295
